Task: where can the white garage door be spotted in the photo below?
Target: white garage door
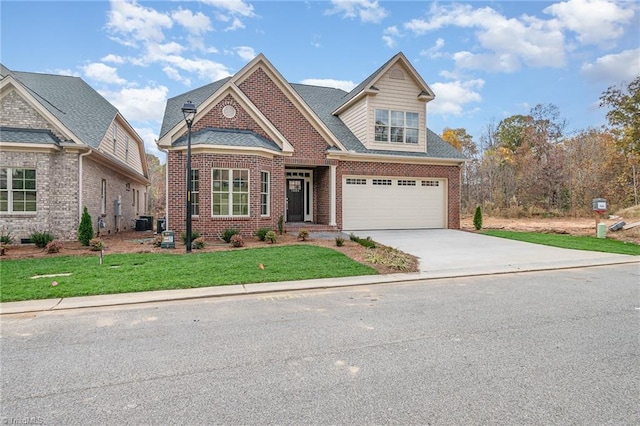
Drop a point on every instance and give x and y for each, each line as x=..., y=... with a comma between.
x=392, y=203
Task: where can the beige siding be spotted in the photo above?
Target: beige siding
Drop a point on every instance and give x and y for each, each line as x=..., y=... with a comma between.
x=398, y=95
x=356, y=120
x=130, y=156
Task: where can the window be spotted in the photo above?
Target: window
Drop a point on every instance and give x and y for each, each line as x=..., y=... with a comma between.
x=126, y=149
x=430, y=183
x=17, y=190
x=138, y=202
x=402, y=182
x=396, y=126
x=353, y=181
x=264, y=193
x=115, y=138
x=195, y=192
x=103, y=197
x=385, y=182
x=229, y=192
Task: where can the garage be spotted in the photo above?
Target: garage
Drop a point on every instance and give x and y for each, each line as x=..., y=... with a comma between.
x=393, y=203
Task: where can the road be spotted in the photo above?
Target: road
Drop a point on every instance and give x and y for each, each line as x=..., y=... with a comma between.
x=557, y=347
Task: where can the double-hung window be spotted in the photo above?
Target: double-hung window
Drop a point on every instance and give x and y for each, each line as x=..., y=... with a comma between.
x=195, y=192
x=264, y=193
x=17, y=190
x=396, y=126
x=230, y=192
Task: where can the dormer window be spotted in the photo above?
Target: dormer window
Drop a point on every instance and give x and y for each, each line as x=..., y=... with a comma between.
x=396, y=126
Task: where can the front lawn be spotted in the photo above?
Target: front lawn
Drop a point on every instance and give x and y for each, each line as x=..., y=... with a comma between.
x=569, y=241
x=123, y=273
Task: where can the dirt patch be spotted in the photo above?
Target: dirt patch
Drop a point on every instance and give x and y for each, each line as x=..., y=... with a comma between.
x=143, y=242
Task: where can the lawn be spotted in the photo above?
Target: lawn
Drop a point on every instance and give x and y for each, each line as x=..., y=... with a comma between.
x=569, y=241
x=123, y=273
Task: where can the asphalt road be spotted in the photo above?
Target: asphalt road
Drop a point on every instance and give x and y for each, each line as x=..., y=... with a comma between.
x=559, y=347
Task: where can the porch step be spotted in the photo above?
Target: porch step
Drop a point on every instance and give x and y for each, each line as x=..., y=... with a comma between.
x=293, y=228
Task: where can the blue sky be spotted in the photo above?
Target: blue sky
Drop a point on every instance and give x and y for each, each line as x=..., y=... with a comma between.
x=484, y=60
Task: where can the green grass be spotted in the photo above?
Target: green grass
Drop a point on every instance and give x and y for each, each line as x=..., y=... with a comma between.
x=123, y=273
x=569, y=241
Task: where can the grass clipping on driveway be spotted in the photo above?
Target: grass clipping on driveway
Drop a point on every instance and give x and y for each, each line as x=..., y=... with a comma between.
x=125, y=273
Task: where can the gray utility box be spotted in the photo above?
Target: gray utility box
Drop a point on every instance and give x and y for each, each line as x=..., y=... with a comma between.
x=599, y=205
x=168, y=240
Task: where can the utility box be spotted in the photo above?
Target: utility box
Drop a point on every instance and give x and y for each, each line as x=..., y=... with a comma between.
x=599, y=205
x=168, y=240
x=117, y=207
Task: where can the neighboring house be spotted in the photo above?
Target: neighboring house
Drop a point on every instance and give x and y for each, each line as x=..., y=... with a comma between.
x=64, y=147
x=263, y=148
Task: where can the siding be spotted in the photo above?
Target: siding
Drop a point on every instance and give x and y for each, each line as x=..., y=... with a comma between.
x=133, y=160
x=356, y=119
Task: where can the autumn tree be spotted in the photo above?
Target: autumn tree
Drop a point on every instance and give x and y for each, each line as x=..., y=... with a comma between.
x=157, y=191
x=624, y=119
x=463, y=142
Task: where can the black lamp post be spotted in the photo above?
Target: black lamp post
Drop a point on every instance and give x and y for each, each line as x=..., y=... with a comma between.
x=189, y=111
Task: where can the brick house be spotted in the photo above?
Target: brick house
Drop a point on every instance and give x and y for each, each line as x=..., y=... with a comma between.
x=63, y=147
x=264, y=148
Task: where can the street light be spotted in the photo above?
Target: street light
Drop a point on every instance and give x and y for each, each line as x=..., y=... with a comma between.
x=189, y=111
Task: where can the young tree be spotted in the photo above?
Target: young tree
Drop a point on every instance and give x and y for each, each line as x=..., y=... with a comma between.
x=85, y=230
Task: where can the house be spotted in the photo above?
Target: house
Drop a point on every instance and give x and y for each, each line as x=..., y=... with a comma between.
x=63, y=147
x=264, y=149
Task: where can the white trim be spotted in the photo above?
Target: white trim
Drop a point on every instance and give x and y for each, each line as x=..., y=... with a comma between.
x=385, y=158
x=308, y=195
x=333, y=190
x=230, y=192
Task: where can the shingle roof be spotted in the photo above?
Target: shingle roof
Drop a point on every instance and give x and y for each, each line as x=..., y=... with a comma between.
x=228, y=137
x=36, y=136
x=173, y=110
x=72, y=101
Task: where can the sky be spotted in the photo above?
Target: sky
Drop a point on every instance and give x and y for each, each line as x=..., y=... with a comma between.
x=485, y=61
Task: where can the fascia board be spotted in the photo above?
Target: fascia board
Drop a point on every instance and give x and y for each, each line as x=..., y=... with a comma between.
x=231, y=150
x=29, y=147
x=405, y=159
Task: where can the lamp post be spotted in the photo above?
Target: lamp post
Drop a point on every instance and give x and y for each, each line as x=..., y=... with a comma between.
x=189, y=111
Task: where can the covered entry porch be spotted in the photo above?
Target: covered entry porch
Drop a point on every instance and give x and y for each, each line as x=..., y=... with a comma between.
x=310, y=196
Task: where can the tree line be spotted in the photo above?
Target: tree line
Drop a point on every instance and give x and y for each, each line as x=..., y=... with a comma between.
x=526, y=165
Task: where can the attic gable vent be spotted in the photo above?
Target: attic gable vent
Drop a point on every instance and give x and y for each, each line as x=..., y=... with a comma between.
x=396, y=74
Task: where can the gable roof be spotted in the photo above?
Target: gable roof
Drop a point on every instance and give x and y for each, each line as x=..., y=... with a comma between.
x=72, y=101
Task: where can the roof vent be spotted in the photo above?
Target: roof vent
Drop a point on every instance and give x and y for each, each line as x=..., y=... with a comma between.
x=396, y=74
x=229, y=111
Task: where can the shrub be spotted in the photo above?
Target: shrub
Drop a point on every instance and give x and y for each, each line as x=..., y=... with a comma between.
x=353, y=237
x=339, y=241
x=41, y=238
x=477, y=218
x=364, y=242
x=389, y=257
x=85, y=230
x=237, y=240
x=228, y=233
x=303, y=234
x=54, y=246
x=194, y=236
x=260, y=233
x=281, y=225
x=96, y=244
x=157, y=240
x=5, y=236
x=270, y=237
x=198, y=243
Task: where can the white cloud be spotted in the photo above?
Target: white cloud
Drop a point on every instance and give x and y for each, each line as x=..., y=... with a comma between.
x=196, y=24
x=136, y=23
x=149, y=135
x=236, y=24
x=389, y=36
x=595, y=21
x=434, y=51
x=452, y=97
x=115, y=59
x=145, y=104
x=245, y=52
x=103, y=73
x=236, y=7
x=345, y=85
x=505, y=43
x=623, y=66
x=365, y=10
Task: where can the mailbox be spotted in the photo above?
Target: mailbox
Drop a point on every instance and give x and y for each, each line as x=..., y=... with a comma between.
x=168, y=240
x=599, y=205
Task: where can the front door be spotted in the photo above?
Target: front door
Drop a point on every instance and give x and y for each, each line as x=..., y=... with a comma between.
x=295, y=200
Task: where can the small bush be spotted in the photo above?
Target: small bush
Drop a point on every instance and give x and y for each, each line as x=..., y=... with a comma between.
x=157, y=241
x=271, y=237
x=198, y=243
x=54, y=246
x=96, y=244
x=364, y=242
x=303, y=234
x=41, y=238
x=237, y=241
x=260, y=233
x=228, y=233
x=85, y=230
x=339, y=241
x=353, y=237
x=194, y=236
x=5, y=236
x=477, y=218
x=281, y=225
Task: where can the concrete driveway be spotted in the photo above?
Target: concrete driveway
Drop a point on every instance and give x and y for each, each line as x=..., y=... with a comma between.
x=447, y=250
